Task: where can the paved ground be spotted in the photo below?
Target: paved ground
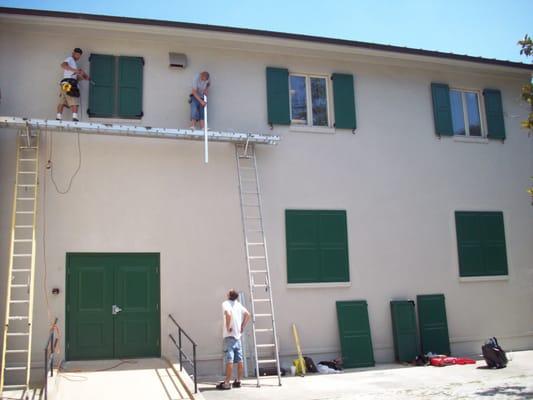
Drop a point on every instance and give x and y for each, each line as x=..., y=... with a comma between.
x=143, y=379
x=397, y=382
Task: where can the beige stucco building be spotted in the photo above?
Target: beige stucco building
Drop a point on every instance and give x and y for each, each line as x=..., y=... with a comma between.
x=400, y=186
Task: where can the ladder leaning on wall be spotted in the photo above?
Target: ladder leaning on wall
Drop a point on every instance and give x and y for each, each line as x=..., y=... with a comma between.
x=265, y=340
x=16, y=349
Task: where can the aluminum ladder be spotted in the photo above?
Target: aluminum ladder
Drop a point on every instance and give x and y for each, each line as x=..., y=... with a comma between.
x=265, y=340
x=16, y=349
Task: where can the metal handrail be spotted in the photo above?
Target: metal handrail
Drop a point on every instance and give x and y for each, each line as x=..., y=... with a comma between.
x=49, y=357
x=182, y=353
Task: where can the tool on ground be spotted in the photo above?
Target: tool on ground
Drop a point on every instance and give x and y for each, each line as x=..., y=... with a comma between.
x=301, y=367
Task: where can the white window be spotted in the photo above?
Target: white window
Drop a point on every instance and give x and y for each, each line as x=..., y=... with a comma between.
x=466, y=115
x=309, y=100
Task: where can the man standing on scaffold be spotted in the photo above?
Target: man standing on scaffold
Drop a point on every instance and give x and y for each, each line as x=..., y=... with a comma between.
x=69, y=92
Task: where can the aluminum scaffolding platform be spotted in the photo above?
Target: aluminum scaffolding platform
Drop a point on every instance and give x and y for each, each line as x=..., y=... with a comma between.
x=136, y=131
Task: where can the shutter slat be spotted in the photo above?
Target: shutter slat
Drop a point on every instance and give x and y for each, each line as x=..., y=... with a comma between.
x=102, y=92
x=494, y=114
x=130, y=87
x=442, y=109
x=278, y=96
x=344, y=101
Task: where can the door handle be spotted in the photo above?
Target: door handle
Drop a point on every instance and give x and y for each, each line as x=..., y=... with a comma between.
x=115, y=309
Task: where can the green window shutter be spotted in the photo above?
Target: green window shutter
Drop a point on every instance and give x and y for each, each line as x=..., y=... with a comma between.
x=494, y=114
x=344, y=101
x=102, y=92
x=442, y=109
x=303, y=253
x=481, y=243
x=494, y=252
x=355, y=336
x=404, y=330
x=433, y=324
x=317, y=246
x=333, y=245
x=130, y=87
x=278, y=96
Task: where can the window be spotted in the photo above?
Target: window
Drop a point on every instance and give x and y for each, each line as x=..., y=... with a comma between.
x=481, y=243
x=317, y=246
x=117, y=88
x=309, y=100
x=466, y=119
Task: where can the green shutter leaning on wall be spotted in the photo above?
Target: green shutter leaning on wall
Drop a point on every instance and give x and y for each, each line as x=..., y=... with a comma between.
x=442, y=109
x=494, y=114
x=102, y=92
x=344, y=101
x=278, y=96
x=130, y=87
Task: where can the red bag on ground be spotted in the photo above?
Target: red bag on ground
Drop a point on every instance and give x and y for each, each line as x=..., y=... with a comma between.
x=442, y=361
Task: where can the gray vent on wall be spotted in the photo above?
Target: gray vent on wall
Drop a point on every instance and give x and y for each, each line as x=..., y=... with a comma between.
x=177, y=60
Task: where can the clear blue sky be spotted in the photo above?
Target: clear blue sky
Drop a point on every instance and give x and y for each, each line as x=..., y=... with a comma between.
x=486, y=28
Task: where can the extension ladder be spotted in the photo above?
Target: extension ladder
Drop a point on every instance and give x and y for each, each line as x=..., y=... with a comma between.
x=16, y=350
x=265, y=340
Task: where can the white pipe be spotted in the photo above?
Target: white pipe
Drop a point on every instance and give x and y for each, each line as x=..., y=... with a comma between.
x=206, y=153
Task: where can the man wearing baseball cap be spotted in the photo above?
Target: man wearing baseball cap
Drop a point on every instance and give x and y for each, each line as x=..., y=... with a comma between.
x=69, y=93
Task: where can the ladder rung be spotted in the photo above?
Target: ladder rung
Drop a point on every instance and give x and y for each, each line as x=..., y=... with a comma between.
x=19, y=301
x=263, y=315
x=15, y=368
x=21, y=255
x=22, y=240
x=264, y=330
x=255, y=243
x=15, y=386
x=266, y=361
x=16, y=351
x=23, y=226
x=26, y=198
x=19, y=285
x=27, y=172
x=256, y=257
x=19, y=317
x=18, y=334
x=258, y=271
x=21, y=270
x=261, y=300
x=24, y=212
x=265, y=345
x=260, y=285
x=28, y=159
x=26, y=185
x=27, y=147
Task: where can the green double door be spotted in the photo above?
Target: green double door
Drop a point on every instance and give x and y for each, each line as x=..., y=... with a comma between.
x=112, y=306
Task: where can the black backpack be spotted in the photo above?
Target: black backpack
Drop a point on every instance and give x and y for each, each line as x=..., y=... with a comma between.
x=493, y=354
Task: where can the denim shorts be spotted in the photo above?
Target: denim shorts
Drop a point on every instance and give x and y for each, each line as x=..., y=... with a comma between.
x=197, y=111
x=232, y=350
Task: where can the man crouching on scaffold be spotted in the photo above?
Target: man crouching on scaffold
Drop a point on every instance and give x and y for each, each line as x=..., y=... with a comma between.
x=69, y=92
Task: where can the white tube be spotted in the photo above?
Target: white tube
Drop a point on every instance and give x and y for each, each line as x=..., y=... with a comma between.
x=206, y=153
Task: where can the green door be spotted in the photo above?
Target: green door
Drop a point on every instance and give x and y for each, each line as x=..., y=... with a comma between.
x=354, y=331
x=433, y=324
x=404, y=330
x=112, y=306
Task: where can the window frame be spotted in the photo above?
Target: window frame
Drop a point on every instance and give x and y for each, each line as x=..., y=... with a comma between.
x=308, y=99
x=481, y=111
